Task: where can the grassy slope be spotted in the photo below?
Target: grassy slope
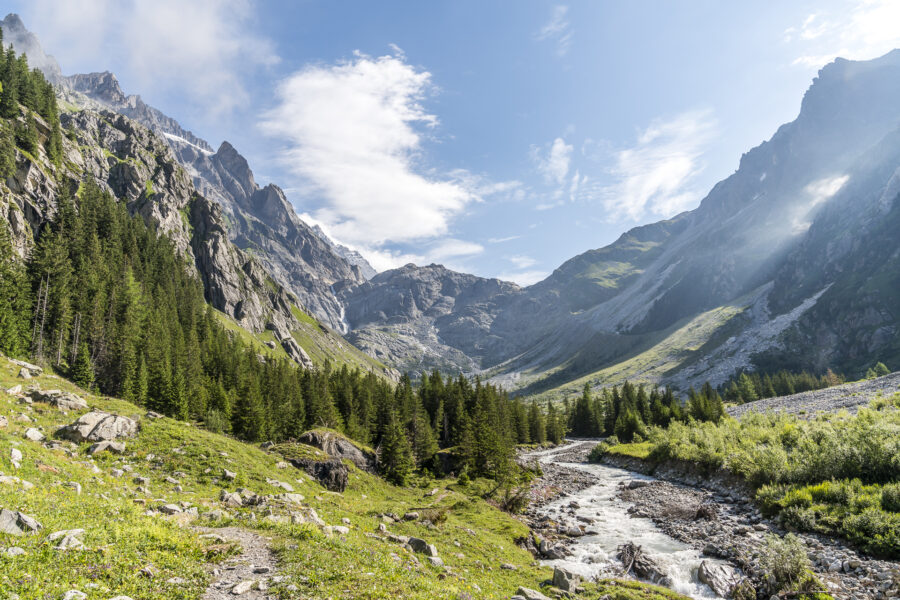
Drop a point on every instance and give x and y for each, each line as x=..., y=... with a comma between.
x=319, y=342
x=473, y=541
x=678, y=346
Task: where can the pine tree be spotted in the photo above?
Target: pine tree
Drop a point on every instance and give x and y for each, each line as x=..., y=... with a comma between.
x=15, y=299
x=7, y=151
x=395, y=460
x=83, y=370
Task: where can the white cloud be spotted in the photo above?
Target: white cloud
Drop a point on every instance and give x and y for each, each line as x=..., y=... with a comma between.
x=353, y=131
x=202, y=48
x=655, y=176
x=523, y=278
x=554, y=162
x=503, y=239
x=558, y=30
x=522, y=262
x=869, y=29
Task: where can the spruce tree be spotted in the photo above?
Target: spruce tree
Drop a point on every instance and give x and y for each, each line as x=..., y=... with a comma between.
x=83, y=370
x=395, y=460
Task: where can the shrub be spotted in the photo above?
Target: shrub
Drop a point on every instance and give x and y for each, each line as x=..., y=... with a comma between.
x=215, y=421
x=785, y=560
x=890, y=497
x=799, y=517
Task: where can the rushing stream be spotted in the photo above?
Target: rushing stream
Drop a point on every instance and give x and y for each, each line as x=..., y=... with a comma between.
x=595, y=555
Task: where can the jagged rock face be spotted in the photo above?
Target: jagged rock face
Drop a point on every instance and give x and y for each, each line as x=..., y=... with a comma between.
x=263, y=219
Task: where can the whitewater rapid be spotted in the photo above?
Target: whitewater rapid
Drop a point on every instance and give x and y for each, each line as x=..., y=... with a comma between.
x=594, y=556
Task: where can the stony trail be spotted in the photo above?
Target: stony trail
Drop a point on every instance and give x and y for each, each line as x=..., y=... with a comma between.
x=254, y=565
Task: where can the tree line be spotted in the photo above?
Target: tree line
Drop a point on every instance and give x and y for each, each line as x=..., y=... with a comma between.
x=627, y=411
x=747, y=387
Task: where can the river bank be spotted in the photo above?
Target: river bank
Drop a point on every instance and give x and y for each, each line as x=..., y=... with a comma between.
x=580, y=513
x=714, y=513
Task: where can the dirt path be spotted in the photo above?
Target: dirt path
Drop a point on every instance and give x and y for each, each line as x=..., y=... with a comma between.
x=255, y=564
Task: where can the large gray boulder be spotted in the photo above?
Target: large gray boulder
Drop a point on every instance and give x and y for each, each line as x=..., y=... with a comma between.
x=98, y=426
x=332, y=474
x=565, y=580
x=17, y=523
x=722, y=579
x=337, y=446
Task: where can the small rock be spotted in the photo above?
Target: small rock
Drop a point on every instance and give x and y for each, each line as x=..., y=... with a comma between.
x=34, y=435
x=565, y=580
x=74, y=595
x=242, y=588
x=15, y=455
x=14, y=551
x=229, y=475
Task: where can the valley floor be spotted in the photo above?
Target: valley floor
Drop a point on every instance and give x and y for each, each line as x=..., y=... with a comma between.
x=179, y=513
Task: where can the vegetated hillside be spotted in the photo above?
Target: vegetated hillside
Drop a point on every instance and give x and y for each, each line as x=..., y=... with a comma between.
x=132, y=516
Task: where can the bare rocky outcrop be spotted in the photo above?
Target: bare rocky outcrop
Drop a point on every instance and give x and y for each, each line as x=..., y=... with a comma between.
x=332, y=474
x=337, y=446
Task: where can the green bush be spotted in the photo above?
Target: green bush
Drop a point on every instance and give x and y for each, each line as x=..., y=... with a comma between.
x=890, y=497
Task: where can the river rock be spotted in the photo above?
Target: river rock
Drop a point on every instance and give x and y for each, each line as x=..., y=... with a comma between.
x=722, y=579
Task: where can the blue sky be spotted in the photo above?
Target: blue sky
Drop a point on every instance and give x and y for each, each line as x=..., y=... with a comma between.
x=499, y=138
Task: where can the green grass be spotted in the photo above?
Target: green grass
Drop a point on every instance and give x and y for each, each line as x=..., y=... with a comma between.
x=324, y=345
x=651, y=361
x=635, y=450
x=472, y=536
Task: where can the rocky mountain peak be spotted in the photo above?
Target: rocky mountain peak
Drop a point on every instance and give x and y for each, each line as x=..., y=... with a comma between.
x=15, y=33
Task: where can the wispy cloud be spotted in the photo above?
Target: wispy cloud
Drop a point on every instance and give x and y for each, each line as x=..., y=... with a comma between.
x=655, y=176
x=523, y=278
x=553, y=162
x=557, y=30
x=203, y=48
x=522, y=262
x=867, y=30
x=501, y=240
x=354, y=132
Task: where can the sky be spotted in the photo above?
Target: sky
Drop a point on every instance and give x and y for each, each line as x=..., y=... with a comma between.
x=494, y=137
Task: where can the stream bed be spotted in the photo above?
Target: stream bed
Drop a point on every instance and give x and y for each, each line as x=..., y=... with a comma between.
x=610, y=525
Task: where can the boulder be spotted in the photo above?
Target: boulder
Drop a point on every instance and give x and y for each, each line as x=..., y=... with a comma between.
x=530, y=594
x=69, y=539
x=15, y=390
x=307, y=515
x=34, y=435
x=30, y=369
x=722, y=579
x=339, y=447
x=17, y=523
x=115, y=447
x=98, y=426
x=422, y=547
x=565, y=580
x=59, y=399
x=332, y=474
x=645, y=567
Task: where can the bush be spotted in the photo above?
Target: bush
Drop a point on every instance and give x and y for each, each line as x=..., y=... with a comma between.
x=890, y=497
x=215, y=421
x=785, y=560
x=799, y=518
